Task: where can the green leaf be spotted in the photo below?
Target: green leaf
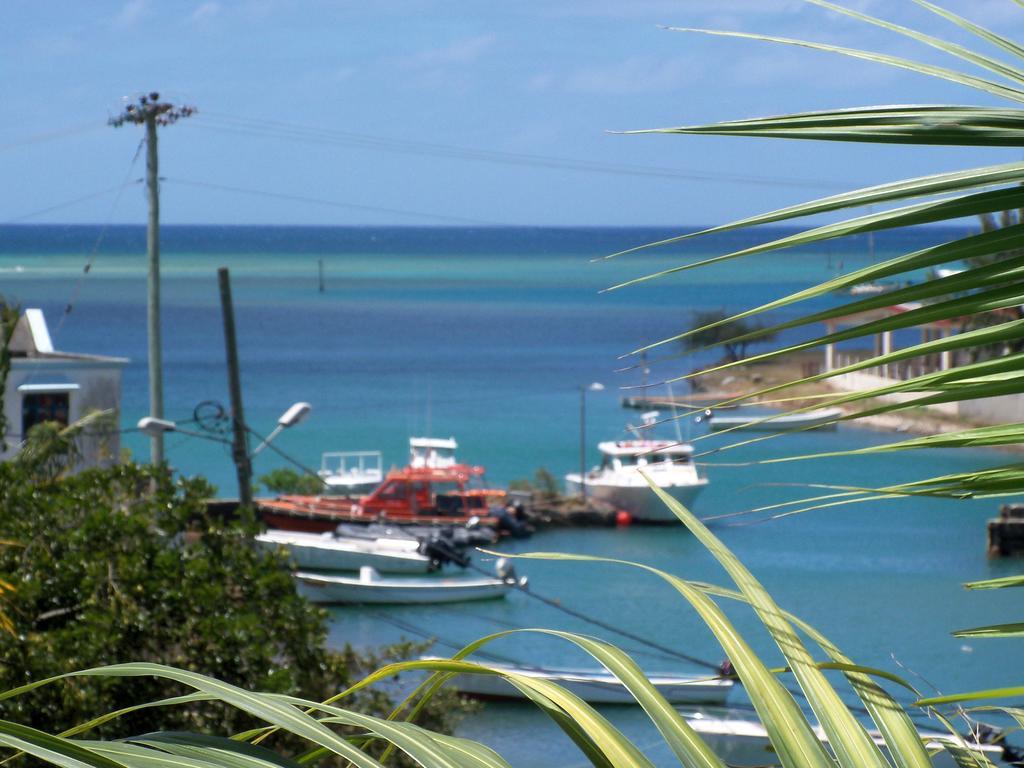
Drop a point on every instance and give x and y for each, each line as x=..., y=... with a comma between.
x=986, y=62
x=258, y=705
x=893, y=722
x=998, y=40
x=230, y=752
x=793, y=740
x=954, y=698
x=52, y=749
x=923, y=186
x=995, y=630
x=911, y=215
x=1000, y=272
x=899, y=124
x=942, y=73
x=1000, y=583
x=616, y=747
x=846, y=736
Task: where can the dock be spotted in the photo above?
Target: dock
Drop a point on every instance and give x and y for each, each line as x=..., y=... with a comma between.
x=1006, y=532
x=682, y=402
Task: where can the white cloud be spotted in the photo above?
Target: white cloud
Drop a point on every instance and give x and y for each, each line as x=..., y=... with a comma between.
x=205, y=12
x=130, y=14
x=462, y=51
x=637, y=74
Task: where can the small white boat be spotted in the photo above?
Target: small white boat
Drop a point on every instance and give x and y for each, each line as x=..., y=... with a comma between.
x=328, y=552
x=432, y=452
x=822, y=418
x=594, y=686
x=351, y=473
x=869, y=289
x=618, y=482
x=740, y=741
x=371, y=587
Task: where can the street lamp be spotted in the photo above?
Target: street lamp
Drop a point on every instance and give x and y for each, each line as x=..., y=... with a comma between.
x=594, y=386
x=289, y=418
x=154, y=427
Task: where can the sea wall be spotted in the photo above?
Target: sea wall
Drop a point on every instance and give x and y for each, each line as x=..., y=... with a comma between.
x=1005, y=409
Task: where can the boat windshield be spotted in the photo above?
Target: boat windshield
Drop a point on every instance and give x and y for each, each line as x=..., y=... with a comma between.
x=628, y=460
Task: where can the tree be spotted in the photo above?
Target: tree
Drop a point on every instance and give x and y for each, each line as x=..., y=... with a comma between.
x=285, y=480
x=108, y=570
x=711, y=328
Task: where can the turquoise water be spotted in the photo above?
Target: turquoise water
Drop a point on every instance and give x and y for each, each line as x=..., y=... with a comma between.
x=487, y=335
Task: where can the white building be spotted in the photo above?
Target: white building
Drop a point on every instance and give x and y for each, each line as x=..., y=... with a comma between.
x=47, y=385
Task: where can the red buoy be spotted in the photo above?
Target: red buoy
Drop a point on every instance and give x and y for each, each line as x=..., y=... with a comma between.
x=623, y=518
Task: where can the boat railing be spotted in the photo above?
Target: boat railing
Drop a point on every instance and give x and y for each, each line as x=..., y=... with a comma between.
x=351, y=463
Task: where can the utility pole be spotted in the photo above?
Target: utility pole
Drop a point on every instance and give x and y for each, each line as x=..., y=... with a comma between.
x=151, y=112
x=240, y=443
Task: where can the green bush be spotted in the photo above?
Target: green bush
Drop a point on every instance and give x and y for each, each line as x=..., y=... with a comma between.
x=125, y=564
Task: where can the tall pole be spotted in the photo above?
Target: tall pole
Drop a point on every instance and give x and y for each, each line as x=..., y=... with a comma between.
x=151, y=112
x=156, y=382
x=240, y=443
x=583, y=444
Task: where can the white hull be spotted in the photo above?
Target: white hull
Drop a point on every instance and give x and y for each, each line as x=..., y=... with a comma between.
x=820, y=419
x=741, y=742
x=326, y=552
x=330, y=589
x=595, y=687
x=639, y=500
x=344, y=486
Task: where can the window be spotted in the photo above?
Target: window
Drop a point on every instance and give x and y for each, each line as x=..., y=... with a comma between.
x=37, y=407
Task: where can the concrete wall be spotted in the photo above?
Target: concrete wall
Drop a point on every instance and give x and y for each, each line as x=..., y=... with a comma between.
x=99, y=388
x=1006, y=409
x=860, y=382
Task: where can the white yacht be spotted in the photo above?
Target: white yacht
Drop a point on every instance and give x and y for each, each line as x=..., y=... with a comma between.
x=618, y=482
x=351, y=473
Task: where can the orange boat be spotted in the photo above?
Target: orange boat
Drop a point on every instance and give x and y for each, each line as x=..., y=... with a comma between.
x=413, y=495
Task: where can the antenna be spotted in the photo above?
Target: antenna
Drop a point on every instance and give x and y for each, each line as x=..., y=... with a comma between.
x=675, y=414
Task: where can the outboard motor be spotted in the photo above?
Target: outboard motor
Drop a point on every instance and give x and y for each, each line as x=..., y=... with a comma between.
x=507, y=522
x=442, y=551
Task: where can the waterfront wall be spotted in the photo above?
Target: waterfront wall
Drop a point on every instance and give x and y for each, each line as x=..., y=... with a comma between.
x=1005, y=409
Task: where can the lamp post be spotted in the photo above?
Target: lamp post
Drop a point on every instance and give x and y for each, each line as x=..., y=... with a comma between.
x=289, y=418
x=155, y=427
x=595, y=386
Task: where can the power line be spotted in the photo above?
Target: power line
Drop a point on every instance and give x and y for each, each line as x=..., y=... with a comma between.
x=329, y=203
x=91, y=258
x=310, y=134
x=69, y=203
x=40, y=138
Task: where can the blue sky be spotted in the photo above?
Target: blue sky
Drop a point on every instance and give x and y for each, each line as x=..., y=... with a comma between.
x=435, y=112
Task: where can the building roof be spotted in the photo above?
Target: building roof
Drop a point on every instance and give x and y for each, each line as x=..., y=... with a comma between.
x=31, y=339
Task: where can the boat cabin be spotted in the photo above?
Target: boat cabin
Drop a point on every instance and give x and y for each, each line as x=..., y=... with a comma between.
x=428, y=491
x=432, y=452
x=625, y=454
x=351, y=471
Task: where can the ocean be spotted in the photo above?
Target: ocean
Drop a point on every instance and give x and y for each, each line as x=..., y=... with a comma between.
x=487, y=335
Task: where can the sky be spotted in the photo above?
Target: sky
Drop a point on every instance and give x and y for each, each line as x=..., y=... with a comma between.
x=369, y=112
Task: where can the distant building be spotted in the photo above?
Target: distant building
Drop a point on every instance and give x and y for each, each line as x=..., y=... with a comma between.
x=47, y=385
x=1002, y=409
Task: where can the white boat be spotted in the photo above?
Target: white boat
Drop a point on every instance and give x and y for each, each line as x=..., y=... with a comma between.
x=739, y=741
x=328, y=552
x=822, y=418
x=371, y=587
x=432, y=452
x=618, y=482
x=594, y=686
x=351, y=473
x=869, y=289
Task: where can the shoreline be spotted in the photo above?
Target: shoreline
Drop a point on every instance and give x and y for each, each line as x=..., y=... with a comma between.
x=919, y=421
